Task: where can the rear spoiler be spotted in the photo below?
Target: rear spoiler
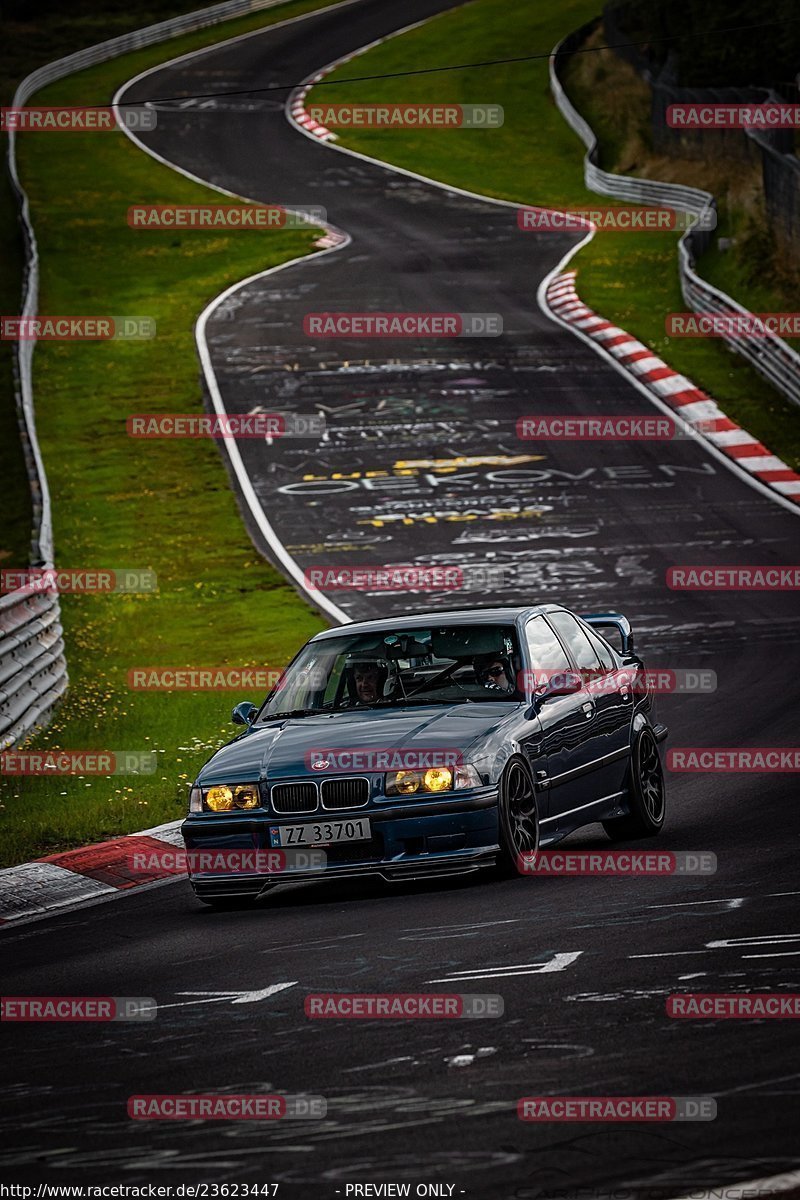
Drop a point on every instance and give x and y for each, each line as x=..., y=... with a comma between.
x=610, y=620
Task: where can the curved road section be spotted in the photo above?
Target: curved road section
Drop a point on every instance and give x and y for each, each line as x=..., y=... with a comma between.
x=421, y=462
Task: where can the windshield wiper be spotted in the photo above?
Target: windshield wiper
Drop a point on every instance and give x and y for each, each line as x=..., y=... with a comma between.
x=295, y=712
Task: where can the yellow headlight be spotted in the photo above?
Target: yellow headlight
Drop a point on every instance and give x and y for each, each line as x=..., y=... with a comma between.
x=404, y=783
x=219, y=799
x=245, y=795
x=437, y=779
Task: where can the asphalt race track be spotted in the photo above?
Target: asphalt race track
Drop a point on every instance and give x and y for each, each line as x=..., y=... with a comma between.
x=584, y=965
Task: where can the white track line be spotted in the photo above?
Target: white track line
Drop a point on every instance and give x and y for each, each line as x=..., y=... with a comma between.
x=253, y=503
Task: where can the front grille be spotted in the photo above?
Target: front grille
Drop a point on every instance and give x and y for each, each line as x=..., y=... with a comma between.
x=345, y=793
x=294, y=797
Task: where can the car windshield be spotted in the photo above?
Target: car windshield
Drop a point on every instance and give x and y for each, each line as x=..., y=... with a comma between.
x=444, y=664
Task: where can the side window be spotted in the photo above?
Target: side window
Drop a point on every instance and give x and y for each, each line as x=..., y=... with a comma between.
x=604, y=652
x=547, y=653
x=580, y=647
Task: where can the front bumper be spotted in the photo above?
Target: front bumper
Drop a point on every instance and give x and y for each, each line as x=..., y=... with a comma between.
x=423, y=839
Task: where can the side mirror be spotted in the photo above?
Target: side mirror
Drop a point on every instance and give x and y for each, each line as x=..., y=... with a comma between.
x=243, y=713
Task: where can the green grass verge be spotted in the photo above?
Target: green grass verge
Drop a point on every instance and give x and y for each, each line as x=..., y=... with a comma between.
x=534, y=157
x=166, y=506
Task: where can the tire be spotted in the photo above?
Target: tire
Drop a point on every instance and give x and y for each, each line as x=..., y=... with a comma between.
x=518, y=817
x=646, y=791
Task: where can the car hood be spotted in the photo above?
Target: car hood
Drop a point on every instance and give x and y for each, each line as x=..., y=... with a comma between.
x=279, y=749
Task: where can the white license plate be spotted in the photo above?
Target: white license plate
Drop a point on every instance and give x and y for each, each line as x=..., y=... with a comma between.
x=320, y=833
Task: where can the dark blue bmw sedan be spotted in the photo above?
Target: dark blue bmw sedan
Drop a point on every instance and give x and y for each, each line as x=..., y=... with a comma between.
x=427, y=746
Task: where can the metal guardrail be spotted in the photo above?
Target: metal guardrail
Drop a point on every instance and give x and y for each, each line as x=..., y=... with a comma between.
x=33, y=668
x=770, y=355
x=33, y=673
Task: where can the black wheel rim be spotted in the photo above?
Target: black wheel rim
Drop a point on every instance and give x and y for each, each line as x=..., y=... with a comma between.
x=651, y=779
x=520, y=813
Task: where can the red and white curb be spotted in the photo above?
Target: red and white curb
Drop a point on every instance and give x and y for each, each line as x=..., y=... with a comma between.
x=37, y=888
x=689, y=402
x=297, y=101
x=297, y=107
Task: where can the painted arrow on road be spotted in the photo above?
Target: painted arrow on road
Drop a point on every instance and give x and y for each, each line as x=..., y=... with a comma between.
x=233, y=997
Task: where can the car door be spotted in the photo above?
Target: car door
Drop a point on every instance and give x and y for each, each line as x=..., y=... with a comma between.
x=558, y=746
x=608, y=690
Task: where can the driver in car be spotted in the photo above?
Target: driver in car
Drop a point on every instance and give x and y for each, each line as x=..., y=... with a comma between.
x=365, y=682
x=493, y=672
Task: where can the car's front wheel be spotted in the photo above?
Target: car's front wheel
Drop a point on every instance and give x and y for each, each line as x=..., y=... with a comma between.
x=518, y=817
x=646, y=792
